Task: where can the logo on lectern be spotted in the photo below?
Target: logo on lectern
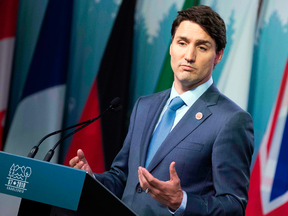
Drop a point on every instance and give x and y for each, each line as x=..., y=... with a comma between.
x=17, y=178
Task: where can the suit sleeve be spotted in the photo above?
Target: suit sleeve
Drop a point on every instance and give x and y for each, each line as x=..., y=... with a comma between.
x=115, y=178
x=231, y=160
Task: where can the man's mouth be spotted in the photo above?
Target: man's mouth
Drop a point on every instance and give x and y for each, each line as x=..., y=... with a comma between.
x=187, y=67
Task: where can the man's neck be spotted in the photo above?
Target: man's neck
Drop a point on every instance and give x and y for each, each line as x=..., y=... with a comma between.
x=182, y=88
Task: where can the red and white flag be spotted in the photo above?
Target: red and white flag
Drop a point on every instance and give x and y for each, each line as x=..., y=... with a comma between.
x=8, y=19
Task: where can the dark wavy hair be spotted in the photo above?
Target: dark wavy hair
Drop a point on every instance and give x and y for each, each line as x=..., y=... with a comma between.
x=208, y=19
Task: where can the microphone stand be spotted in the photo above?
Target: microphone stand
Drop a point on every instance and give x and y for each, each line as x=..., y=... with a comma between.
x=50, y=153
x=35, y=149
x=114, y=106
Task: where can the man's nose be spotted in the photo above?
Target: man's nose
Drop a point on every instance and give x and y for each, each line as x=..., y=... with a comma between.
x=190, y=55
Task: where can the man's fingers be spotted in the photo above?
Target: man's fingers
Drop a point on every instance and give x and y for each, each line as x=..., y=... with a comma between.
x=79, y=165
x=144, y=182
x=168, y=193
x=149, y=179
x=142, y=179
x=79, y=160
x=73, y=161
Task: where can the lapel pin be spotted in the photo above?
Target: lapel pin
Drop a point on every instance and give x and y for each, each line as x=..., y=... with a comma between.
x=199, y=116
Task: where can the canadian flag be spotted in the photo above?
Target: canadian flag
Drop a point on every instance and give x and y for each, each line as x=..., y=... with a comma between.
x=8, y=19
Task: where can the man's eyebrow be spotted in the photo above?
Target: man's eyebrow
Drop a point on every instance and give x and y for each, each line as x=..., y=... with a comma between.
x=183, y=38
x=197, y=41
x=203, y=42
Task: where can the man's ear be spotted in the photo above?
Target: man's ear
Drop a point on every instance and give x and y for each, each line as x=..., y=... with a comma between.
x=218, y=57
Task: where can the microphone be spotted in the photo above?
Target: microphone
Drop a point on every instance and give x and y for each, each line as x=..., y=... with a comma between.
x=115, y=105
x=35, y=149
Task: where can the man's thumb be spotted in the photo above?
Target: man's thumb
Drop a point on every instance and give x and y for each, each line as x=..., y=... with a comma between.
x=81, y=155
x=173, y=173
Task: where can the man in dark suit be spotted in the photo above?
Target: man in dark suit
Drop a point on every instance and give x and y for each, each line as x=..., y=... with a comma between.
x=202, y=167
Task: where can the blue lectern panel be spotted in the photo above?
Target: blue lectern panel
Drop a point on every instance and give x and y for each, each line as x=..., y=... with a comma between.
x=40, y=181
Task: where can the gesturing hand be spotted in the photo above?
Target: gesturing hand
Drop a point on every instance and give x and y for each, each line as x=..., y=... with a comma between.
x=169, y=192
x=80, y=162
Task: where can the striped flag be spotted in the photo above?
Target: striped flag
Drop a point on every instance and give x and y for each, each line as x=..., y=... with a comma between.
x=8, y=19
x=90, y=138
x=268, y=194
x=152, y=38
x=102, y=140
x=166, y=77
x=233, y=73
x=236, y=72
x=268, y=106
x=92, y=24
x=40, y=109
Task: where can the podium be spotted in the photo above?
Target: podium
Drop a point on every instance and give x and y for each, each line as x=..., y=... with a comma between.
x=53, y=189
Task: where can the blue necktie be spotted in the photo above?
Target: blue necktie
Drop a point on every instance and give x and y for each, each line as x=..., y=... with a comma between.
x=163, y=128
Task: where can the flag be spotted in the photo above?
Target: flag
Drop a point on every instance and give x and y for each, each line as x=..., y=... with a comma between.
x=268, y=106
x=40, y=109
x=102, y=140
x=233, y=73
x=152, y=38
x=89, y=139
x=268, y=194
x=166, y=77
x=92, y=24
x=8, y=19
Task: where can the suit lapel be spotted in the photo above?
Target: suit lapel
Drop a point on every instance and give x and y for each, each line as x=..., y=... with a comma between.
x=154, y=111
x=186, y=125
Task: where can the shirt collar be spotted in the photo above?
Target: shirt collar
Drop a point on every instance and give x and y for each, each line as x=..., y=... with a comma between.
x=189, y=97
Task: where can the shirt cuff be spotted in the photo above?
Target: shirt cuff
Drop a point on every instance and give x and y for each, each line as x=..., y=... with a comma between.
x=182, y=207
x=93, y=175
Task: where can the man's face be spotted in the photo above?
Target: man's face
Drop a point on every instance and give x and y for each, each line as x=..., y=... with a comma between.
x=193, y=56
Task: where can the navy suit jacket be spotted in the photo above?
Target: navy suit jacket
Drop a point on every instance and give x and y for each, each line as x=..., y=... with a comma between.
x=212, y=155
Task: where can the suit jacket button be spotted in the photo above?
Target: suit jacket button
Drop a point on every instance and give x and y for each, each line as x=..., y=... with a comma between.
x=139, y=189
